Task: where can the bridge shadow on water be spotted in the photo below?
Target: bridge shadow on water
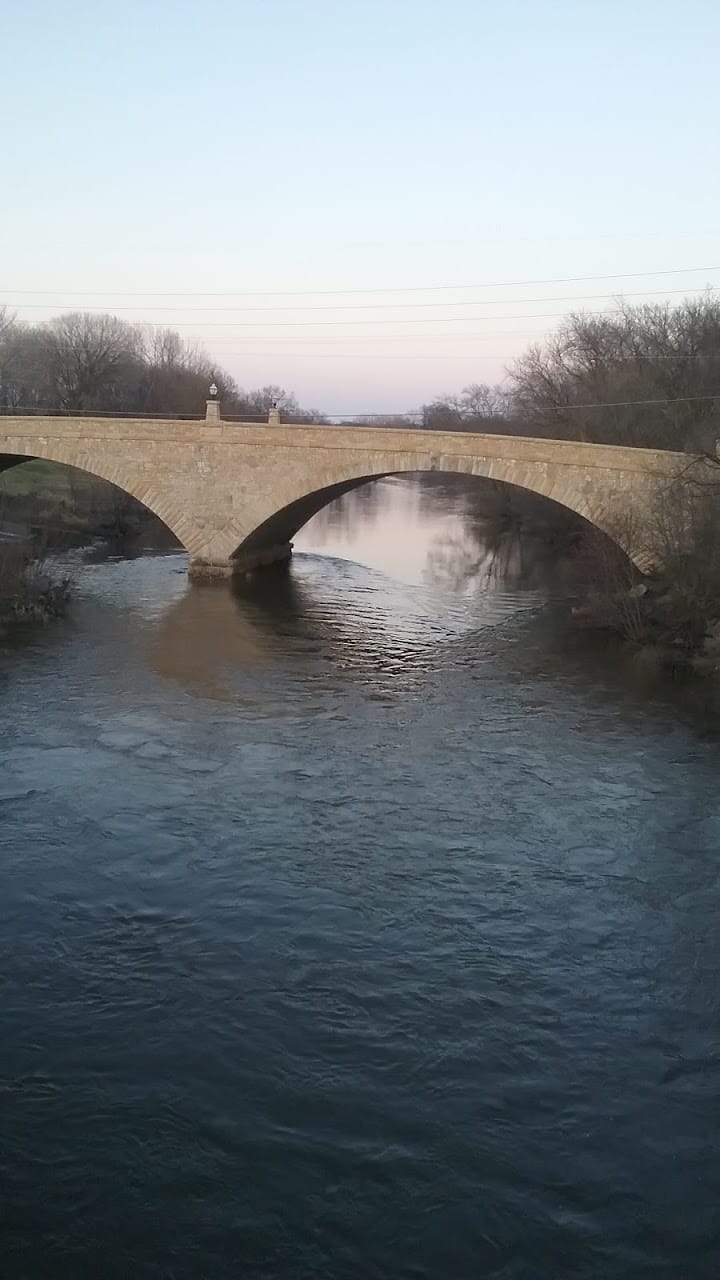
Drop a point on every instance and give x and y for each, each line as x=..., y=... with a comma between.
x=319, y=616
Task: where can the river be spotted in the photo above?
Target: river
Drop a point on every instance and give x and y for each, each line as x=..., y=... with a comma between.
x=360, y=925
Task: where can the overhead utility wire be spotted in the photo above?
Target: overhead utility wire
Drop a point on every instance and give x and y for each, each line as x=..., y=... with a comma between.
x=318, y=339
x=332, y=413
x=622, y=404
x=410, y=355
x=313, y=343
x=306, y=324
x=394, y=306
x=290, y=293
x=551, y=408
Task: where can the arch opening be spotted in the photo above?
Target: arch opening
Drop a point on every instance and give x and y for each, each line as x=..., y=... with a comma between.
x=66, y=503
x=283, y=525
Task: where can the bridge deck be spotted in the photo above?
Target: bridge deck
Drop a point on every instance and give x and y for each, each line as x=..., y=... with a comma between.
x=375, y=439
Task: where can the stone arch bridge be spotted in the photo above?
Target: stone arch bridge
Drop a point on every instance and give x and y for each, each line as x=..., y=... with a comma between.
x=235, y=493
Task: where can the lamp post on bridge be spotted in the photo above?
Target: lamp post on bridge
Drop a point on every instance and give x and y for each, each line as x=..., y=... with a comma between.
x=212, y=406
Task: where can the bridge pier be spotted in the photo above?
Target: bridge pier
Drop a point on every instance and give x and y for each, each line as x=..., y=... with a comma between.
x=210, y=570
x=239, y=566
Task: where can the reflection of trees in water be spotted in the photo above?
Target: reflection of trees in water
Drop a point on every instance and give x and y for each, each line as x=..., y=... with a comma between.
x=441, y=494
x=510, y=537
x=340, y=518
x=483, y=559
x=462, y=561
x=417, y=493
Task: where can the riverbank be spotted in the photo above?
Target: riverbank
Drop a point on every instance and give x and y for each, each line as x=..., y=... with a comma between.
x=672, y=615
x=60, y=507
x=659, y=620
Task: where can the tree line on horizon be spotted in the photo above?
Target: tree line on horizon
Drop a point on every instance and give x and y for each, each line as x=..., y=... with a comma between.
x=83, y=361
x=645, y=375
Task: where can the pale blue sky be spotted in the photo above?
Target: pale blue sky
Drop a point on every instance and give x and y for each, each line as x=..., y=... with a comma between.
x=308, y=145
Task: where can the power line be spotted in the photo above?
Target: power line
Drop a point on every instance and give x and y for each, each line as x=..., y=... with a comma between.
x=306, y=324
x=320, y=340
x=555, y=408
x=390, y=306
x=334, y=413
x=348, y=355
x=623, y=404
x=412, y=355
x=312, y=344
x=289, y=293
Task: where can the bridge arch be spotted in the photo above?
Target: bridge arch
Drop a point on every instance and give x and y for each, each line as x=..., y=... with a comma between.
x=120, y=477
x=279, y=527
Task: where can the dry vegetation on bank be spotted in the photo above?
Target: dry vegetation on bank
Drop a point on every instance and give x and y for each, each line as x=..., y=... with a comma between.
x=30, y=591
x=673, y=614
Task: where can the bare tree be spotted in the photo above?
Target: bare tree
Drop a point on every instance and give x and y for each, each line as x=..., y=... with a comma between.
x=86, y=361
x=92, y=360
x=257, y=404
x=7, y=320
x=645, y=376
x=23, y=368
x=478, y=407
x=676, y=610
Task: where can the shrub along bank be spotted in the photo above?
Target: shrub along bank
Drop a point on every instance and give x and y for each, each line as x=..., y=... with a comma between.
x=29, y=590
x=673, y=614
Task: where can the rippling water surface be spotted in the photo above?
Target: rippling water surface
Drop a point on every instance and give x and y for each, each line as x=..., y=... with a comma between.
x=355, y=926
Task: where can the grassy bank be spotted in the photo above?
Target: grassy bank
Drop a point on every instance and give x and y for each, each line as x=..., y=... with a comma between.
x=66, y=507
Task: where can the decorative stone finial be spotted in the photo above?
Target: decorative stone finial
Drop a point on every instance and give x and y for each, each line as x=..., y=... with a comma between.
x=212, y=406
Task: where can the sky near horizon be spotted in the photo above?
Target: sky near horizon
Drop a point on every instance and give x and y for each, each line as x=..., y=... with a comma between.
x=345, y=197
